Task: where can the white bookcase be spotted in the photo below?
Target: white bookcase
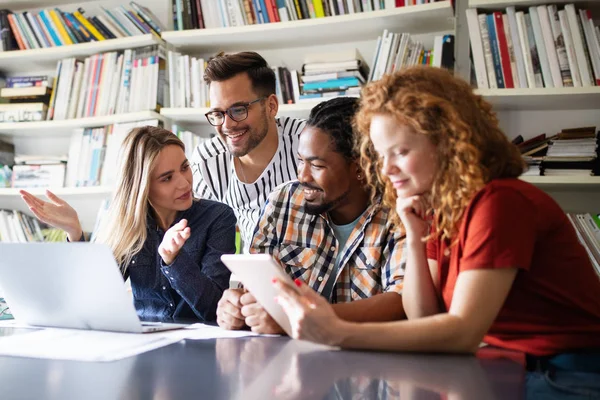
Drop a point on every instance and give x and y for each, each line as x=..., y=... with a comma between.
x=529, y=112
x=520, y=111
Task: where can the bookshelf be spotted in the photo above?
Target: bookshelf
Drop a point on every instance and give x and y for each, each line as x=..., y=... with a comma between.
x=529, y=112
x=30, y=61
x=425, y=18
x=565, y=98
x=65, y=127
x=287, y=42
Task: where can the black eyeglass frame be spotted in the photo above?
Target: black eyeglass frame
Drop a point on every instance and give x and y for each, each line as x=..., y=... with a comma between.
x=230, y=113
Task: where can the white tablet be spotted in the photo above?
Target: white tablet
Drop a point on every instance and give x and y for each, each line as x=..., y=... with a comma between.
x=256, y=272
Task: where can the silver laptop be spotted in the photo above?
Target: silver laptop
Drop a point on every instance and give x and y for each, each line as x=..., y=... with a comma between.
x=69, y=285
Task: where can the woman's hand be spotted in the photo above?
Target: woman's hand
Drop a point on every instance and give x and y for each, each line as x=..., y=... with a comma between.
x=412, y=212
x=173, y=241
x=311, y=316
x=57, y=213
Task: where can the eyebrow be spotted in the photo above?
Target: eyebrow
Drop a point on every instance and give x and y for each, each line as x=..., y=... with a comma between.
x=313, y=158
x=171, y=171
x=237, y=103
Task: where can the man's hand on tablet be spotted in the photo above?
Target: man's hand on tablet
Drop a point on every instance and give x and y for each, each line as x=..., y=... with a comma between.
x=256, y=317
x=229, y=315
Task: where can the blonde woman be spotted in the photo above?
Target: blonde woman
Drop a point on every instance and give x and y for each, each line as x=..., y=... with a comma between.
x=168, y=243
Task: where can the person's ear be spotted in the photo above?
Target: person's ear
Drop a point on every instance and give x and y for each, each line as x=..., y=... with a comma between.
x=272, y=105
x=357, y=170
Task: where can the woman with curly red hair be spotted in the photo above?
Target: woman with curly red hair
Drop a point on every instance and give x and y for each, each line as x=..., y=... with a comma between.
x=489, y=257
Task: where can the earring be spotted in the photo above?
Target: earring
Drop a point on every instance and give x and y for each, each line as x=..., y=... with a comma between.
x=359, y=176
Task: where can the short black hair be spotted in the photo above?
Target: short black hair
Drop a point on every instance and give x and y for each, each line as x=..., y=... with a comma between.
x=225, y=66
x=335, y=117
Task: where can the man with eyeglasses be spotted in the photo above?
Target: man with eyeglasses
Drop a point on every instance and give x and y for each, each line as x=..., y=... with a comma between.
x=254, y=151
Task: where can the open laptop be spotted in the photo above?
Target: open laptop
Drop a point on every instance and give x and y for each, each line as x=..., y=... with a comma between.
x=69, y=285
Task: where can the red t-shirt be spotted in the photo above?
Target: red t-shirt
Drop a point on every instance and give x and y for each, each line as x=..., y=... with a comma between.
x=554, y=303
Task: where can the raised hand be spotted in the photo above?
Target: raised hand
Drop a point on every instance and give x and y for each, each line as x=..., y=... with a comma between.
x=57, y=213
x=173, y=241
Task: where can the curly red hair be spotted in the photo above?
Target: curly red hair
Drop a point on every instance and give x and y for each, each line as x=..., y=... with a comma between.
x=471, y=148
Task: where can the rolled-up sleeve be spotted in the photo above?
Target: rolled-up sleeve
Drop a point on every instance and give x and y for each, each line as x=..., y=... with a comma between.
x=395, y=264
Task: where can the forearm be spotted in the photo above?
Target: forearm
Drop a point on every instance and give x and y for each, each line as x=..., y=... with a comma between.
x=420, y=298
x=381, y=307
x=443, y=333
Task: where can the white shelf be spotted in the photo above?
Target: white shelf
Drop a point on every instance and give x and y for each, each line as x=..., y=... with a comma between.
x=497, y=4
x=35, y=60
x=60, y=192
x=85, y=200
x=28, y=4
x=568, y=98
x=64, y=127
x=592, y=182
x=434, y=17
x=196, y=115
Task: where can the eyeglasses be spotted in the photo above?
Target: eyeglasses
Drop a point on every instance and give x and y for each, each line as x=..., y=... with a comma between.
x=236, y=113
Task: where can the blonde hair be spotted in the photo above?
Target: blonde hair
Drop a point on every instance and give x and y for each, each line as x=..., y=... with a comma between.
x=471, y=149
x=124, y=227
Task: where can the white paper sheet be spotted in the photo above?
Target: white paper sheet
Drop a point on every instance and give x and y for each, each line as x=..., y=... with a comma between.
x=201, y=331
x=80, y=345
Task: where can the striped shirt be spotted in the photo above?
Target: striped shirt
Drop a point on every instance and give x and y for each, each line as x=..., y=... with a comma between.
x=215, y=177
x=372, y=261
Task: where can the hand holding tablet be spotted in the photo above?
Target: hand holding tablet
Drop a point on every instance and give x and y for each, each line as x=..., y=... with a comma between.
x=256, y=272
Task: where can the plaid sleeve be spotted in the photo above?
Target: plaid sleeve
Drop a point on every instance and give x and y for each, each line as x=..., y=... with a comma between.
x=395, y=264
x=266, y=239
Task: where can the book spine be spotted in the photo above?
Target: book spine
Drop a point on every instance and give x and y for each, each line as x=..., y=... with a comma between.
x=51, y=27
x=495, y=51
x=559, y=44
x=503, y=51
x=535, y=58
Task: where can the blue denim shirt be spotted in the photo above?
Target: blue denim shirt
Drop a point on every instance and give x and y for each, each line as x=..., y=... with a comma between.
x=192, y=285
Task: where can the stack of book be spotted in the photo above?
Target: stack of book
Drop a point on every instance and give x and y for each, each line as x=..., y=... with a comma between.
x=17, y=227
x=573, y=152
x=332, y=75
x=546, y=47
x=53, y=27
x=587, y=227
x=186, y=81
x=200, y=14
x=533, y=151
x=28, y=98
x=110, y=83
x=38, y=171
x=395, y=51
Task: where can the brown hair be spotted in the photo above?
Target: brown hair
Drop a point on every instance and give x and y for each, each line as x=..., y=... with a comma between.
x=471, y=148
x=225, y=66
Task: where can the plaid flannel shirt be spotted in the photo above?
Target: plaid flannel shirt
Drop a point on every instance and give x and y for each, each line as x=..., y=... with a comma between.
x=372, y=261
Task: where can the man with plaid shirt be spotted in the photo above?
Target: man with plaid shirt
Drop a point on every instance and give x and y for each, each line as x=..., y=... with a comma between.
x=325, y=230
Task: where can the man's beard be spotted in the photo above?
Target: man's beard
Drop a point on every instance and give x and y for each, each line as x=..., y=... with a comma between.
x=255, y=136
x=318, y=209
